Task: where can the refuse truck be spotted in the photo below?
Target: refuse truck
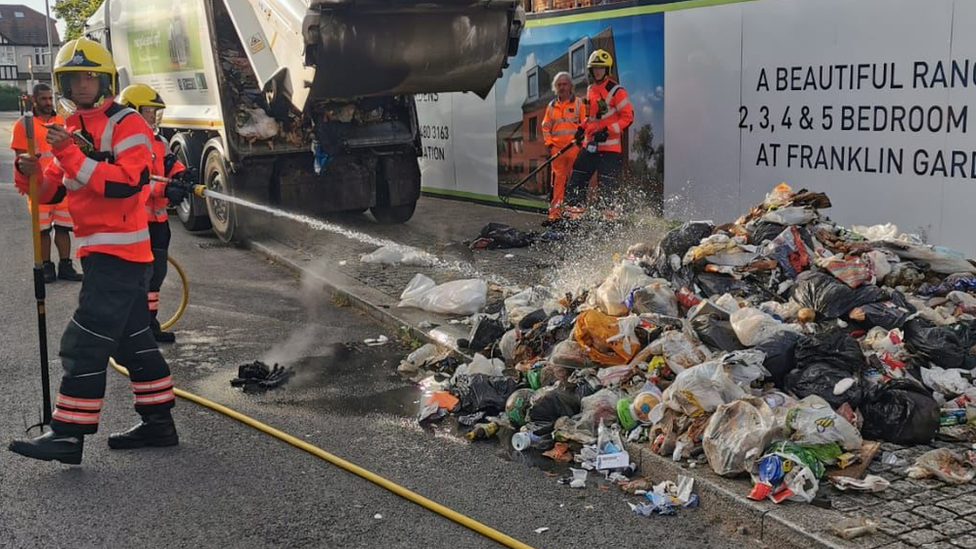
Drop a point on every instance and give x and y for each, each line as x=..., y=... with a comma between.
x=304, y=104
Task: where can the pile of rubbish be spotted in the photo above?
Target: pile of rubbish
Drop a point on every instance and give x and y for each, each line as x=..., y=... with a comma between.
x=777, y=346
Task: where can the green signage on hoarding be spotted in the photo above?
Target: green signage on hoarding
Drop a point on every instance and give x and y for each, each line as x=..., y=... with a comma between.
x=164, y=41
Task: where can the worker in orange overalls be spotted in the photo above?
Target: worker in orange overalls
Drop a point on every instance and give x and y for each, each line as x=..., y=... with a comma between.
x=609, y=114
x=53, y=217
x=564, y=115
x=104, y=162
x=144, y=99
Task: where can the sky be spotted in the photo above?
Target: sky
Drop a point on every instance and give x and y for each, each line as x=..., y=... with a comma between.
x=640, y=50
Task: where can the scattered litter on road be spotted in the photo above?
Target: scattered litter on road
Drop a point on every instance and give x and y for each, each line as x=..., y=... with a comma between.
x=258, y=376
x=870, y=483
x=854, y=528
x=944, y=465
x=459, y=297
x=541, y=530
x=377, y=341
x=399, y=255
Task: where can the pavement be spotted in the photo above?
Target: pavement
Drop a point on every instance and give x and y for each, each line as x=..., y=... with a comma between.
x=229, y=485
x=911, y=513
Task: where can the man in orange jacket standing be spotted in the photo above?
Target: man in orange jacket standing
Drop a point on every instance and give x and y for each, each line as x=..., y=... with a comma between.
x=104, y=161
x=564, y=115
x=146, y=100
x=54, y=218
x=609, y=114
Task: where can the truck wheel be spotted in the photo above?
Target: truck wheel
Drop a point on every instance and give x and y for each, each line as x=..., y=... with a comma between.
x=192, y=211
x=223, y=215
x=392, y=215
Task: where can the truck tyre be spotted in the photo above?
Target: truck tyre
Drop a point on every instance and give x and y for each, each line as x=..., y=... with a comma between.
x=223, y=215
x=392, y=215
x=192, y=211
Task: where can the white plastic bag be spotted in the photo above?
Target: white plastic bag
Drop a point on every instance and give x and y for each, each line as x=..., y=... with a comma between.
x=745, y=366
x=423, y=356
x=507, y=344
x=527, y=301
x=944, y=465
x=813, y=421
x=879, y=263
x=737, y=434
x=480, y=365
x=877, y=232
x=627, y=331
x=937, y=260
x=964, y=300
x=948, y=382
x=701, y=389
x=656, y=297
x=794, y=215
x=753, y=326
x=458, y=297
x=257, y=125
x=389, y=255
x=611, y=296
x=680, y=352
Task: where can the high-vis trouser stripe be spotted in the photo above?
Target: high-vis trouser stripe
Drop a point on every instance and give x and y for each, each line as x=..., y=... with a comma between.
x=115, y=239
x=163, y=383
x=79, y=403
x=155, y=398
x=76, y=417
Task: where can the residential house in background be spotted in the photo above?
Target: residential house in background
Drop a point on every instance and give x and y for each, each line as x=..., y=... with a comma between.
x=516, y=162
x=23, y=46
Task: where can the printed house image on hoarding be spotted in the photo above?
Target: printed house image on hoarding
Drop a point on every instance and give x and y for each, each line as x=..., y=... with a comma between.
x=521, y=147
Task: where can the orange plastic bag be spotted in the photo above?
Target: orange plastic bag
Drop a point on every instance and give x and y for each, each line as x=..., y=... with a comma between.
x=592, y=330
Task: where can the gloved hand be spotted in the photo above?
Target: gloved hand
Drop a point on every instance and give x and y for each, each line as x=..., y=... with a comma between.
x=601, y=135
x=189, y=176
x=177, y=191
x=580, y=134
x=27, y=165
x=181, y=186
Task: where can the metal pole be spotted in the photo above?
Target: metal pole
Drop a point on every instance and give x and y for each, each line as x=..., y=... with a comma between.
x=50, y=44
x=39, y=293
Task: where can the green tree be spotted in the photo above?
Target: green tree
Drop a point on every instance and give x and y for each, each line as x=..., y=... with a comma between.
x=647, y=168
x=75, y=13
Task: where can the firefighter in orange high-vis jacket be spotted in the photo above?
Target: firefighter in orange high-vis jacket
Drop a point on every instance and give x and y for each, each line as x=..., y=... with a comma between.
x=609, y=114
x=144, y=99
x=55, y=219
x=564, y=115
x=103, y=161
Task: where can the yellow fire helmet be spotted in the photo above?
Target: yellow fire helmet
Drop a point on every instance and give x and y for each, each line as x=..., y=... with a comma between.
x=84, y=55
x=137, y=96
x=600, y=58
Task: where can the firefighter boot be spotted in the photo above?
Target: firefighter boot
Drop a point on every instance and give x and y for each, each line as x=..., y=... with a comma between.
x=50, y=275
x=66, y=271
x=157, y=331
x=51, y=446
x=154, y=430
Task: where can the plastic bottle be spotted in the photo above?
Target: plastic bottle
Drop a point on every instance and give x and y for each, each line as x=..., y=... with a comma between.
x=482, y=431
x=522, y=441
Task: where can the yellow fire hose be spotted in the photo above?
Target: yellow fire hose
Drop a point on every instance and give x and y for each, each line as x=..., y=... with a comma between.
x=382, y=482
x=183, y=299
